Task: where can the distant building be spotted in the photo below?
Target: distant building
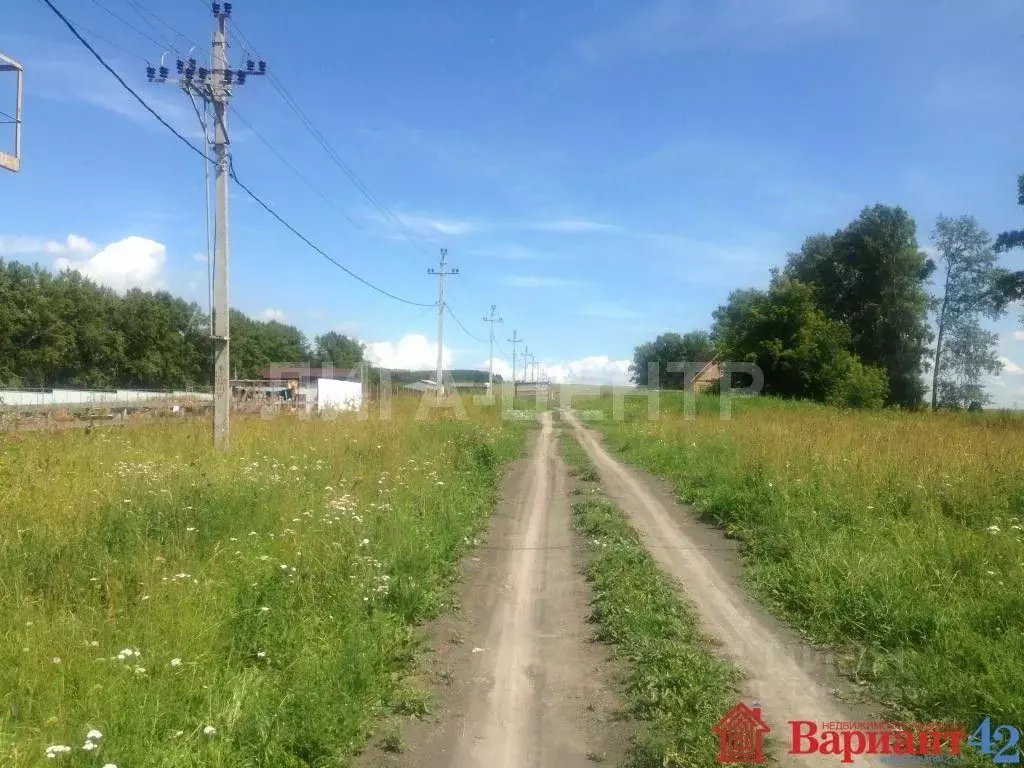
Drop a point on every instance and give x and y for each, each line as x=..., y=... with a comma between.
x=708, y=376
x=306, y=374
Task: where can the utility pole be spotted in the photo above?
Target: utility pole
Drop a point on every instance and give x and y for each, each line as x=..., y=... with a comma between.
x=490, y=368
x=513, y=341
x=441, y=273
x=214, y=86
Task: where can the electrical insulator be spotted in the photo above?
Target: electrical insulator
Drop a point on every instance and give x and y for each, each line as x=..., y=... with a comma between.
x=150, y=72
x=263, y=67
x=188, y=74
x=203, y=72
x=241, y=77
x=250, y=65
x=180, y=65
x=227, y=9
x=228, y=74
x=216, y=9
x=192, y=64
x=163, y=72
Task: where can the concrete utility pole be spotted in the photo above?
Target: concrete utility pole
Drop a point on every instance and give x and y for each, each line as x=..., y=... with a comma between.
x=513, y=341
x=441, y=273
x=214, y=86
x=490, y=368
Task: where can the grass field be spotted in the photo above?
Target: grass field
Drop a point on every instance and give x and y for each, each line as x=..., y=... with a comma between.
x=241, y=609
x=896, y=537
x=676, y=686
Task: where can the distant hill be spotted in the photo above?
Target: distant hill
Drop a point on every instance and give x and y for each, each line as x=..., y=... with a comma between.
x=458, y=375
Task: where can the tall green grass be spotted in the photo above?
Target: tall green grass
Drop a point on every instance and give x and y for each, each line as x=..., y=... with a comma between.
x=676, y=686
x=241, y=609
x=897, y=536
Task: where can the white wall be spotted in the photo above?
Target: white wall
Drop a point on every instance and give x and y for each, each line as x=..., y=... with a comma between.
x=88, y=397
x=338, y=395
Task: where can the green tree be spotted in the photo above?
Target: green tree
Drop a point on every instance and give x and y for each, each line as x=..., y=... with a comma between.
x=967, y=267
x=1009, y=286
x=256, y=344
x=970, y=355
x=871, y=277
x=166, y=343
x=802, y=352
x=692, y=347
x=338, y=350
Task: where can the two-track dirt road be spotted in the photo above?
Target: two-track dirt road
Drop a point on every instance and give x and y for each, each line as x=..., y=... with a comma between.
x=790, y=680
x=524, y=684
x=527, y=687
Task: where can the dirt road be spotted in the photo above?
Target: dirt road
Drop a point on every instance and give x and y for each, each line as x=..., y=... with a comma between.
x=790, y=680
x=526, y=686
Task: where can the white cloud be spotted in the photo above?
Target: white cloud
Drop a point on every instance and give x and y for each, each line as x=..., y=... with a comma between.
x=200, y=257
x=596, y=369
x=17, y=245
x=1011, y=367
x=412, y=352
x=134, y=262
x=501, y=368
x=426, y=225
x=1018, y=335
x=667, y=27
x=540, y=281
x=276, y=315
x=512, y=252
x=610, y=311
x=575, y=226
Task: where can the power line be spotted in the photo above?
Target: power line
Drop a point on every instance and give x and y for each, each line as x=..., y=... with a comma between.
x=124, y=85
x=141, y=9
x=124, y=21
x=112, y=44
x=159, y=33
x=363, y=189
x=234, y=175
x=293, y=169
x=464, y=328
x=317, y=248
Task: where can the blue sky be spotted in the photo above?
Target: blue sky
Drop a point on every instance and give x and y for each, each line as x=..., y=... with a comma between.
x=602, y=171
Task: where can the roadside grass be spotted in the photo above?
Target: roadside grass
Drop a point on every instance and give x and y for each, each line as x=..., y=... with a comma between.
x=223, y=610
x=676, y=685
x=894, y=536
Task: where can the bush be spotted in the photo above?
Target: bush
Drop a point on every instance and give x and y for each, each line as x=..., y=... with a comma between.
x=857, y=385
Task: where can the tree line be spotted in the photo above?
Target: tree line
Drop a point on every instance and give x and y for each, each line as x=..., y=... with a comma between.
x=64, y=330
x=859, y=317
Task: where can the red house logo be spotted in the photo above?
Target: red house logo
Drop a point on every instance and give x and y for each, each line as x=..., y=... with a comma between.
x=740, y=735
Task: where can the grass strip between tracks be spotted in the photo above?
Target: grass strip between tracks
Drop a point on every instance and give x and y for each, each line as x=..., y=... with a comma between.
x=676, y=685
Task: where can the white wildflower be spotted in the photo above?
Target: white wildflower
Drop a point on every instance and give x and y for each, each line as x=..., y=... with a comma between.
x=56, y=659
x=54, y=750
x=209, y=731
x=175, y=662
x=89, y=746
x=93, y=735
